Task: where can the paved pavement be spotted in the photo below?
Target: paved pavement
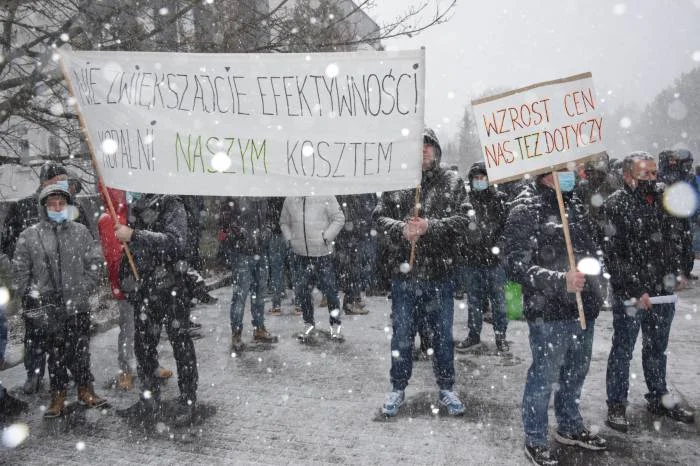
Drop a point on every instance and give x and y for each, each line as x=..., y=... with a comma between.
x=318, y=403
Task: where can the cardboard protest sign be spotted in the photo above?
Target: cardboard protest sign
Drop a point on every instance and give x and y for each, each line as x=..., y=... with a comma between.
x=539, y=128
x=252, y=124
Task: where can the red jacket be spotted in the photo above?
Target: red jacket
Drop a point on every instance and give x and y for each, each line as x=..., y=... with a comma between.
x=111, y=247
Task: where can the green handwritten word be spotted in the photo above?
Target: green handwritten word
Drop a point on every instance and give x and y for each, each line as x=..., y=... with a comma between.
x=195, y=152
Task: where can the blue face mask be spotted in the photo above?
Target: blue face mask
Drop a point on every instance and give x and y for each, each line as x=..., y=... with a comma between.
x=63, y=184
x=57, y=217
x=567, y=181
x=480, y=185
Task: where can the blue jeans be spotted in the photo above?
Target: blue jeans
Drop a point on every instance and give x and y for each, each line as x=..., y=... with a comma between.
x=656, y=326
x=561, y=354
x=276, y=252
x=319, y=270
x=486, y=283
x=409, y=301
x=249, y=275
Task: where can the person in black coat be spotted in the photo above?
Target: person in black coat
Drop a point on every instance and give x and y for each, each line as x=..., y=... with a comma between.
x=535, y=255
x=482, y=271
x=248, y=230
x=424, y=288
x=157, y=236
x=649, y=253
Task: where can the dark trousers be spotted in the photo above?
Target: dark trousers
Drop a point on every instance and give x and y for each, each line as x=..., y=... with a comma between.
x=70, y=350
x=149, y=318
x=34, y=355
x=655, y=325
x=412, y=300
x=318, y=270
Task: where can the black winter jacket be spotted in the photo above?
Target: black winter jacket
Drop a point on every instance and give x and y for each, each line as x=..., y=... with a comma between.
x=490, y=218
x=534, y=255
x=645, y=248
x=445, y=206
x=247, y=225
x=158, y=244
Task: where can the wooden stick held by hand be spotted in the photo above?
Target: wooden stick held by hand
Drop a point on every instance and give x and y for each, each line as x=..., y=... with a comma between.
x=416, y=211
x=569, y=246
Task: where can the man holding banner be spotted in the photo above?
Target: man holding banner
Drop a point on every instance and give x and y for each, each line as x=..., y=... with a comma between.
x=157, y=238
x=423, y=287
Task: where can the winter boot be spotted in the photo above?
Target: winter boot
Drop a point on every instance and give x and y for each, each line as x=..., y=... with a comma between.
x=11, y=406
x=88, y=397
x=58, y=404
x=32, y=384
x=125, y=381
x=260, y=334
x=616, y=419
x=468, y=344
x=237, y=344
x=501, y=344
x=163, y=373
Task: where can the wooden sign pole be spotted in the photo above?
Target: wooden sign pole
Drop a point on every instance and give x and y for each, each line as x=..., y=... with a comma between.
x=416, y=211
x=91, y=149
x=569, y=247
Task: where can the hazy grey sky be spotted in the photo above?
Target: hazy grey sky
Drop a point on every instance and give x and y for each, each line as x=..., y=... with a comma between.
x=634, y=49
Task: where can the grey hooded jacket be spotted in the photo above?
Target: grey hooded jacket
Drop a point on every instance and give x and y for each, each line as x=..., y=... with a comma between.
x=72, y=256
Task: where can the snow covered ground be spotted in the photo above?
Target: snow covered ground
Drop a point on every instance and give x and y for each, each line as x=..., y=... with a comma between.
x=318, y=403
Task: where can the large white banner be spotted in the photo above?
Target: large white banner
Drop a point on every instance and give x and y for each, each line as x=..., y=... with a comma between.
x=539, y=128
x=253, y=124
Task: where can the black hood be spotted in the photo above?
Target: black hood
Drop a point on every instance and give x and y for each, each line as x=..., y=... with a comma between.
x=429, y=137
x=477, y=167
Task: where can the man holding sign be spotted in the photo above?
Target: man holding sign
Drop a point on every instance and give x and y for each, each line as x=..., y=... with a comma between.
x=646, y=249
x=548, y=237
x=536, y=257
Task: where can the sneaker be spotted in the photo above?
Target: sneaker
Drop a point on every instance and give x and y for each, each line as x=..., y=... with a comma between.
x=676, y=412
x=237, y=344
x=502, y=345
x=163, y=373
x=541, y=456
x=355, y=309
x=468, y=343
x=260, y=334
x=11, y=406
x=336, y=332
x=88, y=397
x=298, y=311
x=584, y=439
x=58, y=404
x=276, y=311
x=305, y=334
x=393, y=402
x=616, y=419
x=449, y=400
x=195, y=325
x=32, y=384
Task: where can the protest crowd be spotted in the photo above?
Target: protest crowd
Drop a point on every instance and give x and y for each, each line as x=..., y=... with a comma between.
x=459, y=234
